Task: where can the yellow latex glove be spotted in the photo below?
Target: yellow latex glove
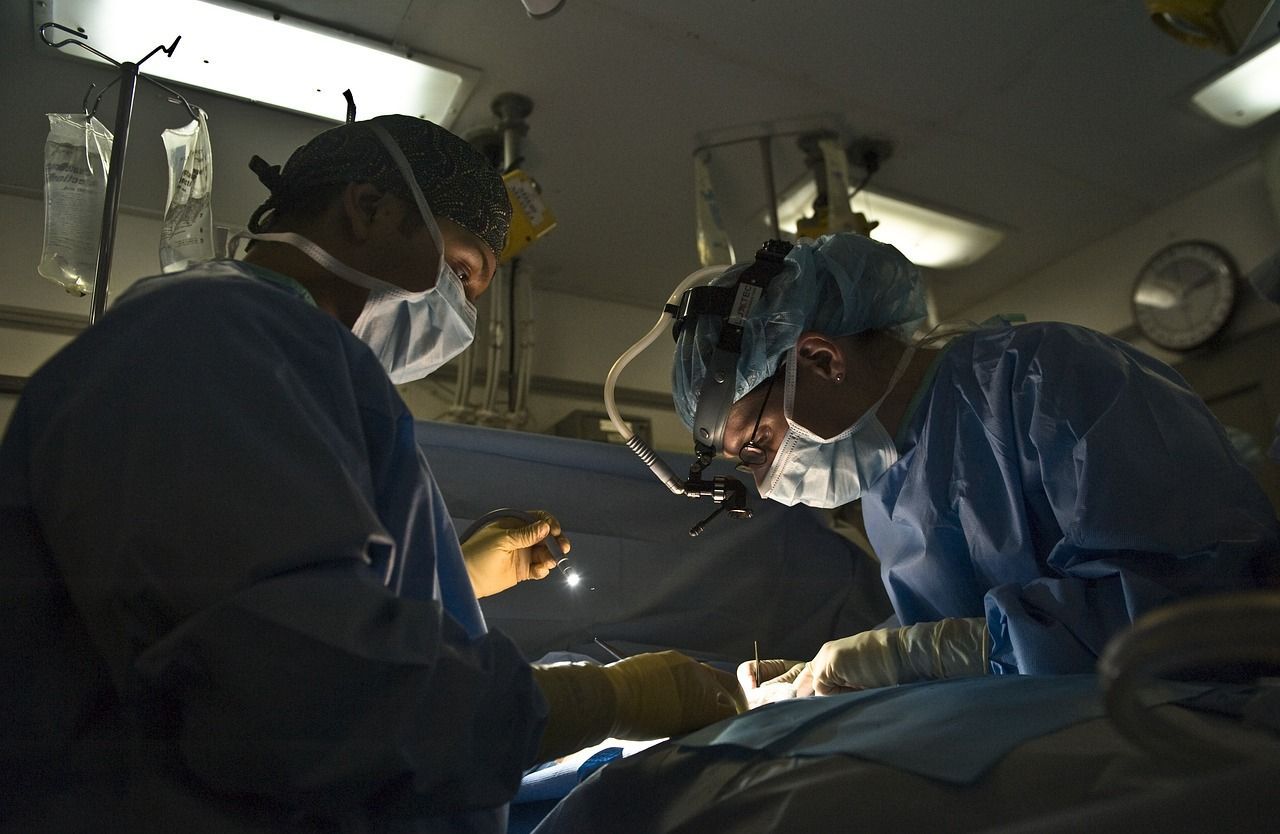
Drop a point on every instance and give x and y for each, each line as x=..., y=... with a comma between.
x=952, y=648
x=507, y=551
x=645, y=696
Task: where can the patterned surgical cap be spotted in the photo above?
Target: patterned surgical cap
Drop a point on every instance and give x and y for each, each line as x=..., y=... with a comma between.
x=457, y=180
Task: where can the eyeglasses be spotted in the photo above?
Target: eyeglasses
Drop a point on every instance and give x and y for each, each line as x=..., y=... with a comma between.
x=752, y=453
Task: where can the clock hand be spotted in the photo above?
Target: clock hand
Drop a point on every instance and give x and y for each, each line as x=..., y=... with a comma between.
x=1186, y=290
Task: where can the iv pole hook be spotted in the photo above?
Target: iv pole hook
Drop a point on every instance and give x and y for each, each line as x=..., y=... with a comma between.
x=174, y=95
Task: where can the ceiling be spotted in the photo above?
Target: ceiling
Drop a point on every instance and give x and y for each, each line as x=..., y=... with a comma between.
x=1056, y=122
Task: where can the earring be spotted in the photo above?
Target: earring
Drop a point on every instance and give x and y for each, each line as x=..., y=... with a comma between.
x=839, y=378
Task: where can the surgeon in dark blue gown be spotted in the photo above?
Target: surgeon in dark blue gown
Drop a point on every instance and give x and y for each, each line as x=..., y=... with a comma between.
x=231, y=596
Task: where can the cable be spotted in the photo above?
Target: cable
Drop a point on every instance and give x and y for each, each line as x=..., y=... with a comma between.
x=870, y=163
x=611, y=381
x=862, y=185
x=1214, y=635
x=513, y=381
x=633, y=442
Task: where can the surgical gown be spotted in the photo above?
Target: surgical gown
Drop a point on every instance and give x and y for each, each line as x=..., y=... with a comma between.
x=223, y=564
x=1061, y=483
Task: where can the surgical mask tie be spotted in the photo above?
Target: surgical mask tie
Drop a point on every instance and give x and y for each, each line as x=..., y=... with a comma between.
x=830, y=472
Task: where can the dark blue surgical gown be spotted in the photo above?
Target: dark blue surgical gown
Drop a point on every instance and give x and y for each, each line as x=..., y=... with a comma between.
x=1061, y=483
x=222, y=566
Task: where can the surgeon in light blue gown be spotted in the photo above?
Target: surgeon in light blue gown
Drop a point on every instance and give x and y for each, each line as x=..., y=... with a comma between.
x=231, y=596
x=1029, y=490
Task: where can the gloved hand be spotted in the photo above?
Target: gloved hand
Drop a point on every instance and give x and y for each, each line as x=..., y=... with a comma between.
x=775, y=680
x=507, y=551
x=953, y=648
x=642, y=697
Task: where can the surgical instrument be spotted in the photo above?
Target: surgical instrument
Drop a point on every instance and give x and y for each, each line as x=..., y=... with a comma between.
x=610, y=649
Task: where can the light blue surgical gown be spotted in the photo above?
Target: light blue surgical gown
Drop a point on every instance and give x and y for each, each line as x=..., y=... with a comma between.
x=1061, y=483
x=221, y=579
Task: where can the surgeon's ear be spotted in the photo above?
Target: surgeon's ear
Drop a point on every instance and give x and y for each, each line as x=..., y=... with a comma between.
x=822, y=355
x=360, y=204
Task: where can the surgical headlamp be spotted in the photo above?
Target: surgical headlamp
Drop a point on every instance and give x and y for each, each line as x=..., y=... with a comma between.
x=733, y=305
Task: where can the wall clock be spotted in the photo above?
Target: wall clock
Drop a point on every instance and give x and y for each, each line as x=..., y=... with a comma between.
x=1185, y=294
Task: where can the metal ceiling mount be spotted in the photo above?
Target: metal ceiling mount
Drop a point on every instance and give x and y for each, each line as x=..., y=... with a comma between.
x=822, y=149
x=500, y=143
x=867, y=153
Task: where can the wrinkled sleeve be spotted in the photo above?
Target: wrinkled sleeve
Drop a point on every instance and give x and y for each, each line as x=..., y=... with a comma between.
x=1149, y=500
x=207, y=484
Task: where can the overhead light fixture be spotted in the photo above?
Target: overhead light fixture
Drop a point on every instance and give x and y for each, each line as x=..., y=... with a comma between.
x=928, y=238
x=1246, y=94
x=266, y=57
x=1224, y=25
x=541, y=8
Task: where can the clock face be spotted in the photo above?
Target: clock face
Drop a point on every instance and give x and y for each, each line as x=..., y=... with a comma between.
x=1184, y=295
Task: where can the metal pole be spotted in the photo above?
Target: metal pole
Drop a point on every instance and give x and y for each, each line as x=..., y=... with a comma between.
x=512, y=109
x=111, y=205
x=766, y=153
x=511, y=131
x=510, y=148
x=497, y=338
x=513, y=324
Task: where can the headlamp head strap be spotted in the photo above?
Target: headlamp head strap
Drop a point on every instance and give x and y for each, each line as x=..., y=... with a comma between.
x=734, y=306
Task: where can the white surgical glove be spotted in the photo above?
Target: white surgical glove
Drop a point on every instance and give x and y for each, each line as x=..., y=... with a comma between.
x=507, y=551
x=774, y=680
x=952, y=648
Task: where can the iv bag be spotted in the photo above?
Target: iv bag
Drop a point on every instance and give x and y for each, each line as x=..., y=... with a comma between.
x=187, y=236
x=77, y=154
x=713, y=242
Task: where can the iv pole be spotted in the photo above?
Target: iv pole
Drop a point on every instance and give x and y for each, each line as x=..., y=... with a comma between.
x=128, y=80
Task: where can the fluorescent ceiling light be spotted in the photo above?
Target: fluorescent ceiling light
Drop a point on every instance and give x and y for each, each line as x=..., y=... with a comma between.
x=262, y=57
x=1247, y=94
x=927, y=237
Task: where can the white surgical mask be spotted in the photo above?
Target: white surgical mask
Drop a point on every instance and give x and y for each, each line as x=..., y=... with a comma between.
x=412, y=333
x=828, y=472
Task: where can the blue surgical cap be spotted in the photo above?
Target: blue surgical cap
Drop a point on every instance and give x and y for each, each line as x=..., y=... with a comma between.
x=841, y=285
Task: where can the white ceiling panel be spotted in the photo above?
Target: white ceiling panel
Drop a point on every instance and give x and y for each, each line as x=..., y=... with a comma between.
x=1057, y=122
